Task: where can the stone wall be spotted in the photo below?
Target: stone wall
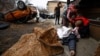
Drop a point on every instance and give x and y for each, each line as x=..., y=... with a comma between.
x=6, y=5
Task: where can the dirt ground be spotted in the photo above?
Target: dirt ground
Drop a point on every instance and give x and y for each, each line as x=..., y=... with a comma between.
x=8, y=37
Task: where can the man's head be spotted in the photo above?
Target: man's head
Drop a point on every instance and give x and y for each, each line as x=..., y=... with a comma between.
x=59, y=4
x=78, y=23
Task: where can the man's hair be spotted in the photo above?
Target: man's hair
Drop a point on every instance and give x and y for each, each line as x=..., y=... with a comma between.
x=58, y=3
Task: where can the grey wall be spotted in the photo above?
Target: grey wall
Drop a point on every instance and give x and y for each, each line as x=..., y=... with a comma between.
x=7, y=5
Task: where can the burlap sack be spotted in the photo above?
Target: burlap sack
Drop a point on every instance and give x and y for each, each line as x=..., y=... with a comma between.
x=40, y=43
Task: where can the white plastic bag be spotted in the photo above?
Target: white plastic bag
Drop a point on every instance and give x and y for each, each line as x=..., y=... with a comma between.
x=64, y=31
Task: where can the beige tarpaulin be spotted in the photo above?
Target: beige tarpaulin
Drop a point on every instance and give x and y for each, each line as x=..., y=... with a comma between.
x=40, y=43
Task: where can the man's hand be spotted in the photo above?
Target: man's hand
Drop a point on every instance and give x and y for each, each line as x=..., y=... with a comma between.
x=71, y=20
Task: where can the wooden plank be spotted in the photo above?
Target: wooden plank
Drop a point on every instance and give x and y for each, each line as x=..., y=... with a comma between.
x=95, y=29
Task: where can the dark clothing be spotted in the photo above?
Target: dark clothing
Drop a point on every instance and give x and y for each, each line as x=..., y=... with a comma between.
x=65, y=21
x=70, y=41
x=57, y=14
x=57, y=19
x=57, y=11
x=37, y=19
x=84, y=31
